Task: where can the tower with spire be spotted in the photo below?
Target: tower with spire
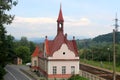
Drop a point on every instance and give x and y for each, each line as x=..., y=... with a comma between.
x=59, y=57
x=60, y=21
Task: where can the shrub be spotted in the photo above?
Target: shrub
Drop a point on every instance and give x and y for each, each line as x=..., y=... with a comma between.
x=77, y=77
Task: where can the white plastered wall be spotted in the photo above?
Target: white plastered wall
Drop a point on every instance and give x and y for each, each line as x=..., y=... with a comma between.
x=59, y=65
x=69, y=55
x=33, y=59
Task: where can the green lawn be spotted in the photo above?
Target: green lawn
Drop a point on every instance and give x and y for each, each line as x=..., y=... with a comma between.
x=100, y=64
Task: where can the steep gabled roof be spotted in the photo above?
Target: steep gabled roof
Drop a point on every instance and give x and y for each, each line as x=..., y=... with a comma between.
x=54, y=45
x=36, y=52
x=41, y=54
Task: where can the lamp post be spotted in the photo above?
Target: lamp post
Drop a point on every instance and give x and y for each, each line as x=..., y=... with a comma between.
x=92, y=55
x=109, y=55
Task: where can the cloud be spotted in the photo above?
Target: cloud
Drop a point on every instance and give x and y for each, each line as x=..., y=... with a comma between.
x=32, y=27
x=44, y=20
x=34, y=20
x=78, y=22
x=42, y=26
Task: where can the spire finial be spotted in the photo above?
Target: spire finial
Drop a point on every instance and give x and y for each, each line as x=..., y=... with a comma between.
x=60, y=5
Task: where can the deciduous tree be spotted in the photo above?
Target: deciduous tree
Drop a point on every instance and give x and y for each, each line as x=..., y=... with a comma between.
x=5, y=19
x=24, y=53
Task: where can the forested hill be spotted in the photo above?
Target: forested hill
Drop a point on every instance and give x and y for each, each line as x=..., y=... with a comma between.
x=107, y=37
x=101, y=40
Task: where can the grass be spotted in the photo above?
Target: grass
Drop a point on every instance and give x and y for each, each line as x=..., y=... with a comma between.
x=101, y=64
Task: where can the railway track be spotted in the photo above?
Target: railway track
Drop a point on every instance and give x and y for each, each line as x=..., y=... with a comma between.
x=102, y=73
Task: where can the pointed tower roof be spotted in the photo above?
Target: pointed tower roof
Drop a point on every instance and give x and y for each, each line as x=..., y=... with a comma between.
x=60, y=17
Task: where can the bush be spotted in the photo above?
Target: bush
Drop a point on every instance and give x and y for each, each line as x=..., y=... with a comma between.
x=77, y=77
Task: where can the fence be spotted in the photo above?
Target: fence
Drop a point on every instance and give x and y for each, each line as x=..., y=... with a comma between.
x=90, y=76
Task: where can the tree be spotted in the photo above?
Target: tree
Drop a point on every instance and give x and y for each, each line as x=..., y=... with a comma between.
x=24, y=41
x=5, y=5
x=10, y=48
x=118, y=54
x=24, y=53
x=24, y=49
x=31, y=46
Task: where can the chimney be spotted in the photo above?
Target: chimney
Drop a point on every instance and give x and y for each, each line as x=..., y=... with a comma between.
x=45, y=37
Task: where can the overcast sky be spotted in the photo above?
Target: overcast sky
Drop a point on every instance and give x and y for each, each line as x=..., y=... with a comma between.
x=86, y=18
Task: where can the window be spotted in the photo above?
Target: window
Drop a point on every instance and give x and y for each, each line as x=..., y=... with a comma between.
x=35, y=63
x=63, y=69
x=60, y=25
x=54, y=70
x=72, y=69
x=63, y=53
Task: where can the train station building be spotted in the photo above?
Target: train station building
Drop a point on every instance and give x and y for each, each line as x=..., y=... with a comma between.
x=58, y=58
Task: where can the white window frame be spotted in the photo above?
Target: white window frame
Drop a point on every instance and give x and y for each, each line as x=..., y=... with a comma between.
x=54, y=69
x=72, y=69
x=63, y=69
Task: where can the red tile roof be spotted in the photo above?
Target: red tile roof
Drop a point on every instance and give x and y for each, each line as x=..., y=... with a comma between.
x=36, y=52
x=40, y=54
x=54, y=45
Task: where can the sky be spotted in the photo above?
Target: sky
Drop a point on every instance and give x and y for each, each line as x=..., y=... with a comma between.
x=82, y=18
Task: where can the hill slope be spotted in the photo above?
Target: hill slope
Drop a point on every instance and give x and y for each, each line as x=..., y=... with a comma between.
x=107, y=37
x=98, y=41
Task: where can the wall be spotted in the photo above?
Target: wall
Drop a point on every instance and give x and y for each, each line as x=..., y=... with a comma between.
x=33, y=59
x=43, y=64
x=59, y=59
x=59, y=65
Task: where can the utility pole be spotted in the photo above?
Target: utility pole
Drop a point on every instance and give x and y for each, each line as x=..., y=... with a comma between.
x=92, y=55
x=114, y=57
x=109, y=55
x=85, y=54
x=116, y=23
x=114, y=46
